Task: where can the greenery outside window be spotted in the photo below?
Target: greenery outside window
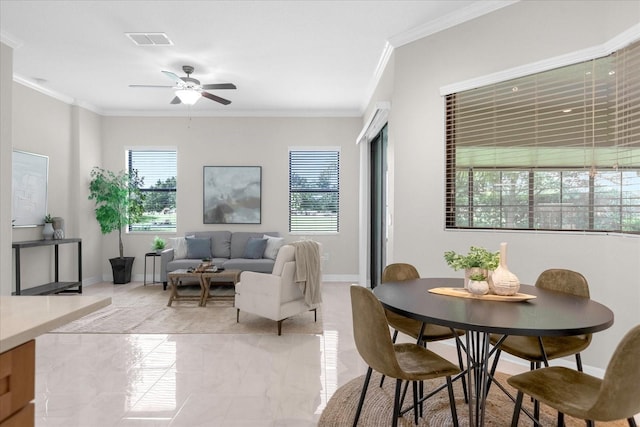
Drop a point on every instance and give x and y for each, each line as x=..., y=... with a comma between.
x=557, y=150
x=158, y=170
x=314, y=190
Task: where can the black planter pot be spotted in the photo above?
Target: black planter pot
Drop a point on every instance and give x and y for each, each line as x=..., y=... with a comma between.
x=121, y=268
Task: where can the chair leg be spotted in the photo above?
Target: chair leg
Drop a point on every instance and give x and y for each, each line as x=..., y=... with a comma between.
x=452, y=403
x=279, y=327
x=516, y=409
x=415, y=402
x=632, y=422
x=396, y=404
x=591, y=423
x=560, y=419
x=463, y=378
x=579, y=362
x=237, y=315
x=364, y=392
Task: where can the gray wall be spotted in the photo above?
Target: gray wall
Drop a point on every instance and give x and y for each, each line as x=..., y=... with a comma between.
x=510, y=37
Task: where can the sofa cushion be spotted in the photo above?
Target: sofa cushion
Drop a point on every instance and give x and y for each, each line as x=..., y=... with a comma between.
x=255, y=248
x=198, y=248
x=239, y=241
x=179, y=246
x=273, y=245
x=262, y=265
x=220, y=242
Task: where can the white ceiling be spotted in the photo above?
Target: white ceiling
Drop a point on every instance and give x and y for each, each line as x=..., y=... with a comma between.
x=286, y=57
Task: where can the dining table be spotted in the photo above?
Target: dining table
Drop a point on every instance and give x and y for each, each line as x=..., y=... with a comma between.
x=532, y=312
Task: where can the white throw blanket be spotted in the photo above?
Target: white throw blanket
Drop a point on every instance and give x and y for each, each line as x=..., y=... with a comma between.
x=307, y=253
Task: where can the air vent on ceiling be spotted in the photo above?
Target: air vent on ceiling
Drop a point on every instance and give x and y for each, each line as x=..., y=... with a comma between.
x=150, y=39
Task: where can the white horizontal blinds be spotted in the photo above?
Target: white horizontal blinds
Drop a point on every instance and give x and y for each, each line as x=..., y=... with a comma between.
x=158, y=169
x=314, y=190
x=555, y=150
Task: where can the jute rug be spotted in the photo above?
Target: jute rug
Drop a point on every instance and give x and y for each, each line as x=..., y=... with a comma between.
x=378, y=407
x=143, y=310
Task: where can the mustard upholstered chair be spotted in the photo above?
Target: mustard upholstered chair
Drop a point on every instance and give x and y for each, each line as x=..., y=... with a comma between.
x=539, y=350
x=571, y=392
x=421, y=332
x=407, y=361
x=531, y=348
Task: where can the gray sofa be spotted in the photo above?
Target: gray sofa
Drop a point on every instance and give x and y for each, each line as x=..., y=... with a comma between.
x=227, y=251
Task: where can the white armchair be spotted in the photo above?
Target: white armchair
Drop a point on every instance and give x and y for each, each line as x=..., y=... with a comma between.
x=275, y=296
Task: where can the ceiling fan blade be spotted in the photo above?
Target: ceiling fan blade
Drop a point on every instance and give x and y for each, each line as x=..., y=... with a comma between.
x=151, y=86
x=215, y=98
x=177, y=80
x=219, y=86
x=176, y=100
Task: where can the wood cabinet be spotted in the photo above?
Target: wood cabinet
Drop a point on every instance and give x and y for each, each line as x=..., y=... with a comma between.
x=52, y=287
x=17, y=385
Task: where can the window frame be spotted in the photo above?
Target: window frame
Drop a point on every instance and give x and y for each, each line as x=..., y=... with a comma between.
x=141, y=227
x=618, y=105
x=322, y=226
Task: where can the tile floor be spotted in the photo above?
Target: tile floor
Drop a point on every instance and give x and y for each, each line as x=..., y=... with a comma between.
x=188, y=380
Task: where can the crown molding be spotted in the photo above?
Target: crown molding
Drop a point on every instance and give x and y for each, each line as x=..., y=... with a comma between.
x=618, y=42
x=452, y=19
x=10, y=40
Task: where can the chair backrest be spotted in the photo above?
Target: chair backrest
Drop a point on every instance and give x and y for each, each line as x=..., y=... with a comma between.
x=371, y=332
x=398, y=272
x=285, y=254
x=561, y=280
x=619, y=396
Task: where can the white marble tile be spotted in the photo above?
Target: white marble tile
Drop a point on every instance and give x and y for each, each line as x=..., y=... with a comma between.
x=188, y=380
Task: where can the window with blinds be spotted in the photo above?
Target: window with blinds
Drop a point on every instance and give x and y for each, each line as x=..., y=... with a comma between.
x=558, y=150
x=314, y=190
x=158, y=169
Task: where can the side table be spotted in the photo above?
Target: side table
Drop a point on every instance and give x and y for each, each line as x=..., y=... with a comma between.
x=154, y=255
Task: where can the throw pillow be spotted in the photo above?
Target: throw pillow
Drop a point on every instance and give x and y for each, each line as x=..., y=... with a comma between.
x=179, y=245
x=255, y=248
x=273, y=246
x=198, y=248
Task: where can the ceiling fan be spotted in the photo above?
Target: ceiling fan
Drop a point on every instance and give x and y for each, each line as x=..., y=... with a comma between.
x=189, y=90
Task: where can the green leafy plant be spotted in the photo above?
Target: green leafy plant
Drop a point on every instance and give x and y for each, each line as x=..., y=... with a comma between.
x=478, y=277
x=118, y=200
x=48, y=219
x=477, y=257
x=158, y=243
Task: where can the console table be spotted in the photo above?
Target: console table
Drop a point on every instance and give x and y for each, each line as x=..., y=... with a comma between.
x=53, y=287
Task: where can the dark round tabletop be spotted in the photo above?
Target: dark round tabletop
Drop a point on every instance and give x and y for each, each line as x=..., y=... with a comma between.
x=549, y=314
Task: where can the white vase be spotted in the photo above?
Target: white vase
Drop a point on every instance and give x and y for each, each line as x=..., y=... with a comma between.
x=478, y=287
x=504, y=281
x=47, y=231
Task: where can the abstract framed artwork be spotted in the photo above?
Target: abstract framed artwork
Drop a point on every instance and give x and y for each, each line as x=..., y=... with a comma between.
x=232, y=194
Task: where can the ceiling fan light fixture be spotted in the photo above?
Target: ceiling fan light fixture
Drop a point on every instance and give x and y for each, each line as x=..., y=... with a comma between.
x=188, y=96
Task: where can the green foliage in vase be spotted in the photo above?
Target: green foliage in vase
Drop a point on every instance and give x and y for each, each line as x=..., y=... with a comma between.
x=477, y=257
x=48, y=219
x=118, y=200
x=158, y=243
x=478, y=277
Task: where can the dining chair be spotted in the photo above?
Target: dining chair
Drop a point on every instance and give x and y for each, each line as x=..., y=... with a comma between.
x=404, y=362
x=539, y=350
x=420, y=331
x=574, y=393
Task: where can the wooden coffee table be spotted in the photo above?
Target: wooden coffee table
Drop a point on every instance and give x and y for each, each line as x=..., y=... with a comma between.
x=225, y=276
x=175, y=277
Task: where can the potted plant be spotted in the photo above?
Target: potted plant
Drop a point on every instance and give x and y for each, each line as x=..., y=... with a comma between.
x=158, y=244
x=477, y=261
x=119, y=202
x=47, y=231
x=478, y=284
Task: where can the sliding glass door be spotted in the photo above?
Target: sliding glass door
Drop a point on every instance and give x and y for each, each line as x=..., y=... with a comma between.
x=378, y=208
